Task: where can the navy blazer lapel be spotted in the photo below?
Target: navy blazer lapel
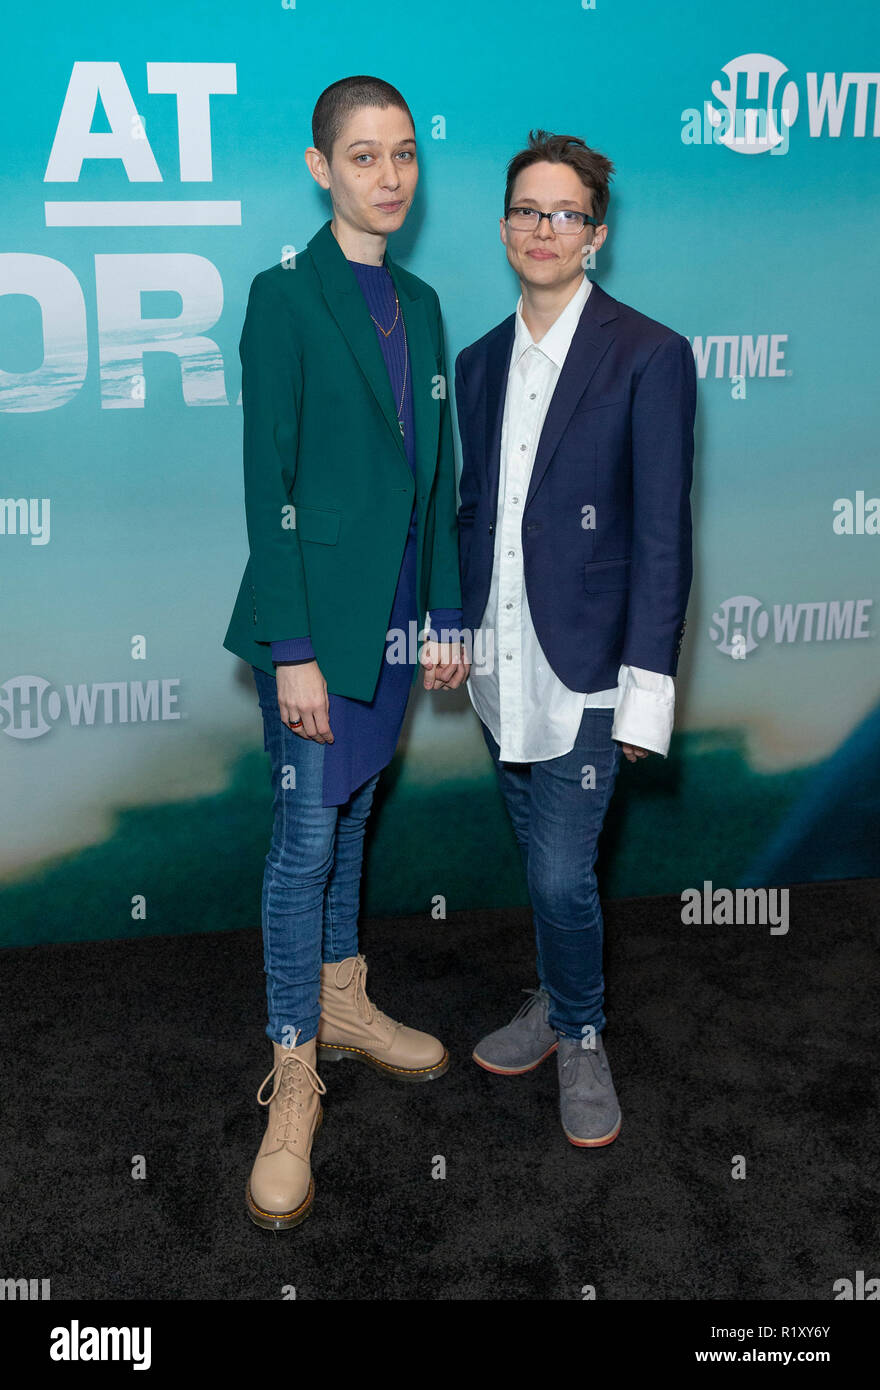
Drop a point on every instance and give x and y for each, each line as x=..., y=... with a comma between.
x=588, y=346
x=497, y=367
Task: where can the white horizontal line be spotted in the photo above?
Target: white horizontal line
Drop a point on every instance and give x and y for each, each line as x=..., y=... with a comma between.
x=144, y=214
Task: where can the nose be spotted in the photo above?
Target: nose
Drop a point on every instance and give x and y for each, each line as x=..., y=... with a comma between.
x=390, y=175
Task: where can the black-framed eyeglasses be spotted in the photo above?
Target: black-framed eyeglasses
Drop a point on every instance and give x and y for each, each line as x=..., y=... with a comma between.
x=565, y=220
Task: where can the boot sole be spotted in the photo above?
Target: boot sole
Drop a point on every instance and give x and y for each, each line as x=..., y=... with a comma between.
x=594, y=1143
x=514, y=1071
x=333, y=1052
x=283, y=1220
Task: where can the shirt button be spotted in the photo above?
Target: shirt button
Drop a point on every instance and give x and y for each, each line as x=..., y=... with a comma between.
x=510, y=554
x=532, y=396
x=509, y=656
x=508, y=605
x=522, y=448
x=515, y=500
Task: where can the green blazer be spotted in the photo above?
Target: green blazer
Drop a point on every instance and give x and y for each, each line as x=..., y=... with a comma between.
x=328, y=491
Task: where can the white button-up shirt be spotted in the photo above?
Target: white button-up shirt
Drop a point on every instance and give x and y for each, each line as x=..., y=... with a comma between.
x=530, y=713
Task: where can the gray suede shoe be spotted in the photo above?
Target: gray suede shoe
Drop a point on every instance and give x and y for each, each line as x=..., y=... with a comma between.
x=523, y=1043
x=587, y=1100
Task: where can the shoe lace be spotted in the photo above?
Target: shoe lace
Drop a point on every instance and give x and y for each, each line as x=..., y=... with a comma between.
x=294, y=1076
x=595, y=1061
x=365, y=1007
x=537, y=995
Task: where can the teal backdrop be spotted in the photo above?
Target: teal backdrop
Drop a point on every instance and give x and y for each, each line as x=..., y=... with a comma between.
x=153, y=164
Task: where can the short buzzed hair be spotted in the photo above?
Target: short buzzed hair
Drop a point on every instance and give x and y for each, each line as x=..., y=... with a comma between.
x=337, y=103
x=591, y=167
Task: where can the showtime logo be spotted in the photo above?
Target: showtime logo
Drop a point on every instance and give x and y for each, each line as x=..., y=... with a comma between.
x=30, y=706
x=756, y=112
x=742, y=622
x=740, y=355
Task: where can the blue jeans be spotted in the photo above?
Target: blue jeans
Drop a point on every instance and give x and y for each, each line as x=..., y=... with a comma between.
x=557, y=820
x=311, y=882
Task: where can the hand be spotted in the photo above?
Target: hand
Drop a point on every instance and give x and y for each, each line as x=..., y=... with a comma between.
x=633, y=752
x=302, y=694
x=445, y=665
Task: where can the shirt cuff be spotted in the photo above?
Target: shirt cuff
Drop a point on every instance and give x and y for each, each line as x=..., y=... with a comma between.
x=440, y=620
x=645, y=710
x=292, y=651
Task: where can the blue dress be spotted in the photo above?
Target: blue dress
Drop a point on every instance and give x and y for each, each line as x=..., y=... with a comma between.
x=365, y=733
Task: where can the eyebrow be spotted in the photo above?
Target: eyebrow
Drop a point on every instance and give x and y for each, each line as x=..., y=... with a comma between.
x=410, y=140
x=560, y=203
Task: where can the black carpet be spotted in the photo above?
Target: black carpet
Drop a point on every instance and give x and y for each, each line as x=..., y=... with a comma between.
x=723, y=1041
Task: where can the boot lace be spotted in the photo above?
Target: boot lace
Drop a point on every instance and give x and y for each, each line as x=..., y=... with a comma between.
x=363, y=1004
x=537, y=995
x=576, y=1056
x=294, y=1077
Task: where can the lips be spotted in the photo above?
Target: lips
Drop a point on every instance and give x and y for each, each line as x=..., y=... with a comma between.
x=390, y=207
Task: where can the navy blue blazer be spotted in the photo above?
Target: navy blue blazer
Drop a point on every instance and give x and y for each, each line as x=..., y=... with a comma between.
x=618, y=437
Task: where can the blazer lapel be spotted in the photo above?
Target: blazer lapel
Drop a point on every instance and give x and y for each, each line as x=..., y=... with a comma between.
x=423, y=368
x=346, y=304
x=497, y=368
x=588, y=346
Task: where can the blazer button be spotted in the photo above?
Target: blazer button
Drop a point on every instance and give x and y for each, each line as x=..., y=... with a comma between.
x=491, y=528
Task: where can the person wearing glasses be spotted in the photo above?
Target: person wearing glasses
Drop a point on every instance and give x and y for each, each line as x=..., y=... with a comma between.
x=350, y=500
x=576, y=416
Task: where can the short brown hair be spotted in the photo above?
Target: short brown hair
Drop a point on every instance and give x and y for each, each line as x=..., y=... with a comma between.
x=337, y=102
x=591, y=167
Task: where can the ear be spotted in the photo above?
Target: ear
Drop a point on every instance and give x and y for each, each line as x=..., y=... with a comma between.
x=599, y=235
x=317, y=166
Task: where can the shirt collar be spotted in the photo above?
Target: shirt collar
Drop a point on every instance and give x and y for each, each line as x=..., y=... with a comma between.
x=557, y=340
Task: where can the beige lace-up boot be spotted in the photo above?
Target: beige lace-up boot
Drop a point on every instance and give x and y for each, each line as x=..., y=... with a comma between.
x=281, y=1189
x=351, y=1026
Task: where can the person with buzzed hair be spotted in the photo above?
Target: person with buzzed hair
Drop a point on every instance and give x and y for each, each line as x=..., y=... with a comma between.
x=350, y=501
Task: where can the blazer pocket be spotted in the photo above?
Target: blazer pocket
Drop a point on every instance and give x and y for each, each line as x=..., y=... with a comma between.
x=602, y=575
x=599, y=404
x=316, y=524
